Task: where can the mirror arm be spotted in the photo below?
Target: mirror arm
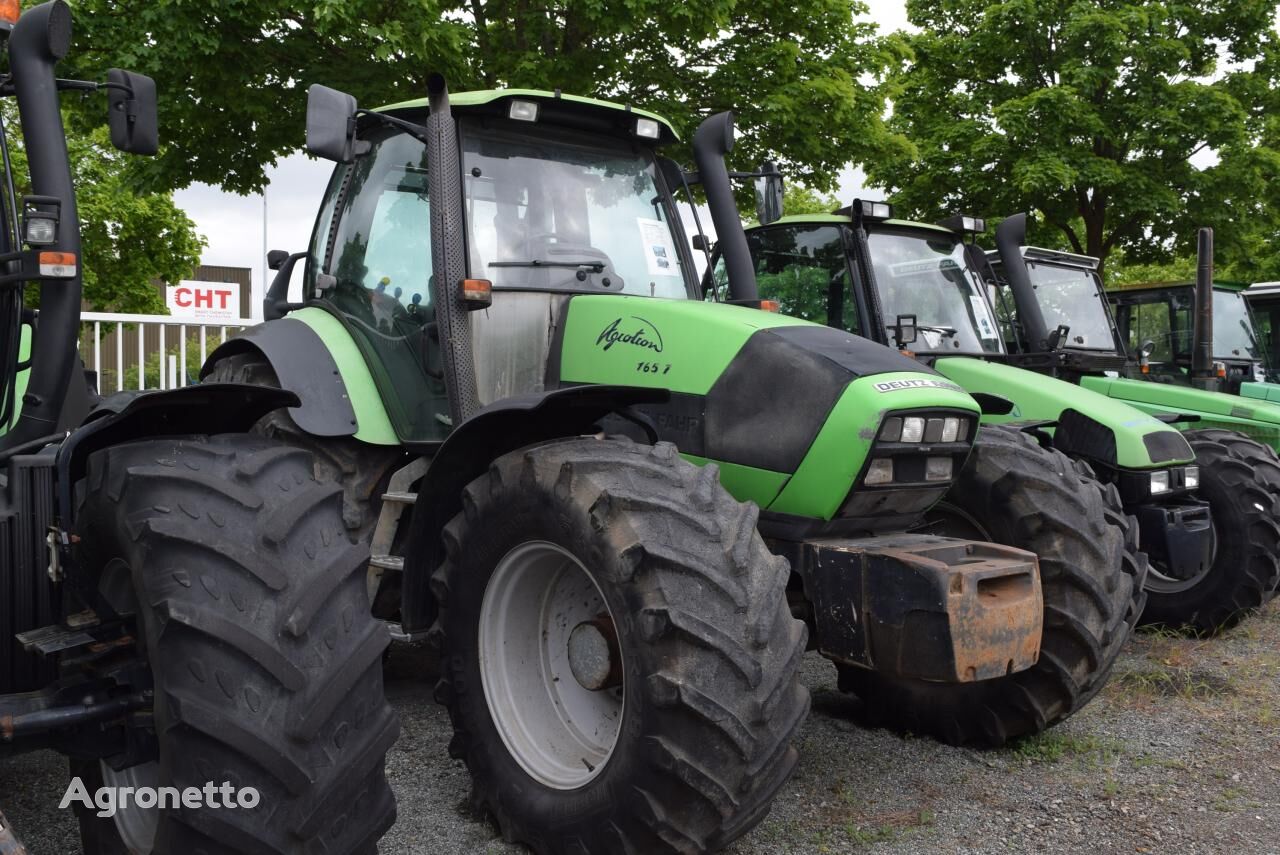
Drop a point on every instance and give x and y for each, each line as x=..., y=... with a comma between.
x=417, y=131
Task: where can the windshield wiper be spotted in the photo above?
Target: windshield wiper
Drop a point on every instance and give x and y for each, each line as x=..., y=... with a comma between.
x=597, y=266
x=949, y=332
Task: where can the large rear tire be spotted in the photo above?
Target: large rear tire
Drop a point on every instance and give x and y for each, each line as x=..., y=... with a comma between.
x=1015, y=492
x=252, y=612
x=1240, y=479
x=684, y=747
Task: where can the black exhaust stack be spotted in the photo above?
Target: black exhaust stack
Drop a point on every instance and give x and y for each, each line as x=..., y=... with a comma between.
x=448, y=251
x=1203, y=374
x=1011, y=236
x=38, y=41
x=711, y=142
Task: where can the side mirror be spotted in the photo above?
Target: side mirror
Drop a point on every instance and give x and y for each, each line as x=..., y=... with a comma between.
x=904, y=330
x=701, y=243
x=1148, y=348
x=331, y=124
x=275, y=304
x=769, y=192
x=1058, y=337
x=132, y=116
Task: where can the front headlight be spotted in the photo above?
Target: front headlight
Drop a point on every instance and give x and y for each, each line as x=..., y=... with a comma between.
x=1159, y=482
x=1191, y=478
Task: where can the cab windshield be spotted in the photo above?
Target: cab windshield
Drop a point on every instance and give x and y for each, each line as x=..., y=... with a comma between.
x=546, y=213
x=1068, y=296
x=925, y=275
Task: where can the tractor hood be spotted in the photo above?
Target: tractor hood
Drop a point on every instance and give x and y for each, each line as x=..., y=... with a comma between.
x=1103, y=429
x=1261, y=391
x=790, y=410
x=1254, y=417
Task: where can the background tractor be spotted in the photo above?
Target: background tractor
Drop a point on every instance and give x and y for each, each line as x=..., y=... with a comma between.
x=180, y=603
x=601, y=499
x=889, y=280
x=1263, y=299
x=1156, y=322
x=1239, y=474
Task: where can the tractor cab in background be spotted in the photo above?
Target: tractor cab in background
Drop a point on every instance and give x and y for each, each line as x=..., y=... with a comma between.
x=1155, y=321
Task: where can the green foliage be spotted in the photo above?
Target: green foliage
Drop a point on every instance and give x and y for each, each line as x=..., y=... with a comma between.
x=232, y=76
x=799, y=199
x=1089, y=112
x=128, y=239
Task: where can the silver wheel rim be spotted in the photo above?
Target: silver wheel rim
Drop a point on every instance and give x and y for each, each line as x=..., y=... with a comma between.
x=1161, y=583
x=561, y=733
x=135, y=825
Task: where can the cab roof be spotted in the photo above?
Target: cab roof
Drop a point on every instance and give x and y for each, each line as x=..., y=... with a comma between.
x=826, y=219
x=1218, y=284
x=553, y=105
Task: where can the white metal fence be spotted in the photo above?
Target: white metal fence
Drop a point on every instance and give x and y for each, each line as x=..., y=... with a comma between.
x=149, y=351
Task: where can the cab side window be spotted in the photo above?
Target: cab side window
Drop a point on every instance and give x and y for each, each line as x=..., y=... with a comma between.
x=805, y=268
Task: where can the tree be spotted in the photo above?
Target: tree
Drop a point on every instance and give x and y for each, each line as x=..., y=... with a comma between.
x=1086, y=111
x=128, y=239
x=232, y=75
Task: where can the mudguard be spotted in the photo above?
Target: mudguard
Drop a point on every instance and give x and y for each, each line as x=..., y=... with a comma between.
x=303, y=364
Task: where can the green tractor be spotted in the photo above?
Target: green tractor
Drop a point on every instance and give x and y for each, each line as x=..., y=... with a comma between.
x=1019, y=488
x=1234, y=437
x=916, y=285
x=1156, y=321
x=180, y=604
x=607, y=502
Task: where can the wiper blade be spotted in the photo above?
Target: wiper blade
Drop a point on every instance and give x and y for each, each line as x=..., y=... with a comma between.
x=597, y=266
x=949, y=332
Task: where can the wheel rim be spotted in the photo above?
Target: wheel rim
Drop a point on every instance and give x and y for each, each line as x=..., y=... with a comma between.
x=559, y=731
x=135, y=825
x=1163, y=583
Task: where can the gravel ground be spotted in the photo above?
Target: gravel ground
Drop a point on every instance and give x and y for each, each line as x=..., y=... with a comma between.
x=1180, y=753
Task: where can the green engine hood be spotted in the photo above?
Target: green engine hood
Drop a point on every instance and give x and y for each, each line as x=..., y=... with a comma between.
x=1139, y=440
x=1261, y=391
x=1257, y=418
x=789, y=409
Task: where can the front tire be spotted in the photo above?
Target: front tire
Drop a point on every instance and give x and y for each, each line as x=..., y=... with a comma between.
x=684, y=737
x=1240, y=479
x=251, y=610
x=1015, y=492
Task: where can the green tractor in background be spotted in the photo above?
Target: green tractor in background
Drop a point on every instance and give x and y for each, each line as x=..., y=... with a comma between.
x=607, y=502
x=916, y=285
x=1156, y=322
x=1018, y=488
x=1234, y=437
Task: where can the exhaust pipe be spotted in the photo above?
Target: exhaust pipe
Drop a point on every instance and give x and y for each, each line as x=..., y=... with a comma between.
x=1202, y=368
x=711, y=142
x=38, y=41
x=1011, y=236
x=448, y=251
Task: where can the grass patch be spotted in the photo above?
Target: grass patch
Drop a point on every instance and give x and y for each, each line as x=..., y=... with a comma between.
x=1052, y=746
x=1175, y=682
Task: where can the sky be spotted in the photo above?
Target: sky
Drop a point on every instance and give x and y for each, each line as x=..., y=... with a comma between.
x=234, y=225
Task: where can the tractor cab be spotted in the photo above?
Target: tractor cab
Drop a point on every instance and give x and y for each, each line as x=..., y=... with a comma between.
x=1156, y=322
